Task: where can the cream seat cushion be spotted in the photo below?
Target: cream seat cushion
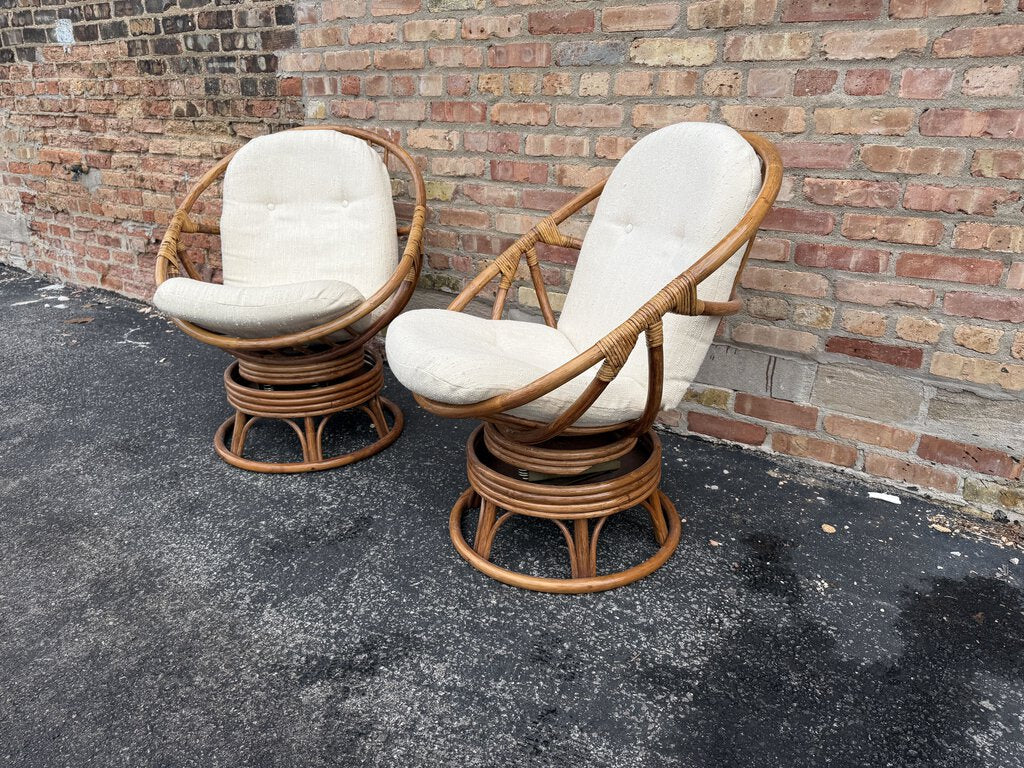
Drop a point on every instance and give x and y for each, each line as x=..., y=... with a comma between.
x=460, y=359
x=672, y=197
x=307, y=223
x=260, y=312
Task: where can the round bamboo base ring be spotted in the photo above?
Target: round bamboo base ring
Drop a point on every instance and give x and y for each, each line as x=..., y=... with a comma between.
x=305, y=401
x=570, y=507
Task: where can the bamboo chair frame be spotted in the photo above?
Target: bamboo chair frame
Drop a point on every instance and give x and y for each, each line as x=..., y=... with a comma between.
x=304, y=378
x=558, y=446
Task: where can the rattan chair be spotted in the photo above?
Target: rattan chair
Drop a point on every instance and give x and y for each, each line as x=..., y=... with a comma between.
x=311, y=272
x=568, y=406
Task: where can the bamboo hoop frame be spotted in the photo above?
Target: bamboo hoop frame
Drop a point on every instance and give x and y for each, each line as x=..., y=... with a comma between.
x=559, y=445
x=263, y=377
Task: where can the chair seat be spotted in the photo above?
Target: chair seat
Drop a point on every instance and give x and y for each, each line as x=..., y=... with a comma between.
x=257, y=312
x=459, y=359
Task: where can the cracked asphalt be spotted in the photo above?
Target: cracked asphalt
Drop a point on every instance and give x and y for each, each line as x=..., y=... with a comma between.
x=160, y=608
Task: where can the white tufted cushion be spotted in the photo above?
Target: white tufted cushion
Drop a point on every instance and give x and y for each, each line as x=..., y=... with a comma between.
x=669, y=200
x=457, y=358
x=672, y=197
x=259, y=312
x=308, y=205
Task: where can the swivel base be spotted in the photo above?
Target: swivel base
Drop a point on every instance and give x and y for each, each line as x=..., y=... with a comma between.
x=304, y=392
x=578, y=506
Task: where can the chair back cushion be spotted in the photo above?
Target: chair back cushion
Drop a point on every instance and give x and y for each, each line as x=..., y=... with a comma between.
x=672, y=197
x=308, y=205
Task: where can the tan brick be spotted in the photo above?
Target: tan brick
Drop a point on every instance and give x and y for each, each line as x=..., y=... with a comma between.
x=922, y=330
x=872, y=44
x=722, y=82
x=992, y=81
x=814, y=315
x=977, y=338
x=775, y=338
x=874, y=122
x=777, y=46
x=784, y=281
x=978, y=370
x=672, y=52
x=864, y=323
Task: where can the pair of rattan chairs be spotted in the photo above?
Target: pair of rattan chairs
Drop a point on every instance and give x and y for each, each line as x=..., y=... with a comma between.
x=312, y=272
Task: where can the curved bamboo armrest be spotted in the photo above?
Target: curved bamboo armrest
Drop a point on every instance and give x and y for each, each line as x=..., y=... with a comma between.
x=678, y=296
x=399, y=286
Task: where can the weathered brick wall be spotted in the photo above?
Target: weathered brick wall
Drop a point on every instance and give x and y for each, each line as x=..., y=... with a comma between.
x=883, y=324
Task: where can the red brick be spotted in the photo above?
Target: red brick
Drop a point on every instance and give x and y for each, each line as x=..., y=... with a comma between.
x=1015, y=278
x=925, y=83
x=774, y=337
x=990, y=123
x=869, y=432
x=892, y=229
x=458, y=112
x=726, y=429
x=806, y=154
x=635, y=18
x=972, y=457
x=904, y=357
x=486, y=27
x=909, y=473
x=842, y=257
x=561, y=22
x=986, y=306
x=815, y=82
x=795, y=220
x=398, y=59
x=807, y=447
x=784, y=281
x=659, y=115
x=937, y=161
x=867, y=82
x=768, y=119
x=975, y=235
x=779, y=411
x=998, y=164
x=729, y=13
x=769, y=83
x=455, y=56
x=975, y=200
x=513, y=170
x=919, y=9
x=1005, y=40
x=930, y=266
x=497, y=142
x=852, y=192
x=520, y=114
x=991, y=81
x=519, y=55
x=831, y=10
x=883, y=294
x=589, y=115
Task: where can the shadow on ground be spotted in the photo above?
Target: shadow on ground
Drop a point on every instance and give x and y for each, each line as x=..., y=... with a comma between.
x=160, y=608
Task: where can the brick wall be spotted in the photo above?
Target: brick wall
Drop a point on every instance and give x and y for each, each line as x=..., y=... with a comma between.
x=884, y=305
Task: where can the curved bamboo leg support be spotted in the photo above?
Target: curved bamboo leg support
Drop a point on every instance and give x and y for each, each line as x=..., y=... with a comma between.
x=305, y=394
x=579, y=510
